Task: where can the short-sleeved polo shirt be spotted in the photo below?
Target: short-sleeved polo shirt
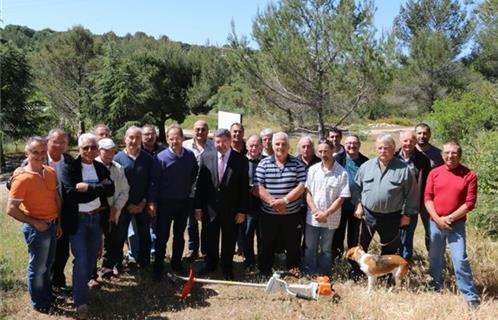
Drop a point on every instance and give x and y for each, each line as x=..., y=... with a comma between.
x=37, y=193
x=279, y=181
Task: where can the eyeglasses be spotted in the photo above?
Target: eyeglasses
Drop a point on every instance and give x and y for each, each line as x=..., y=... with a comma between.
x=87, y=148
x=200, y=129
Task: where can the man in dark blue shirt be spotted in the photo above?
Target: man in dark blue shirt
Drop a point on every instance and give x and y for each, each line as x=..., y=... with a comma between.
x=137, y=165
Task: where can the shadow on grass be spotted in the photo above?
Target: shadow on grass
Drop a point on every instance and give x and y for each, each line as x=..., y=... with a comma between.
x=139, y=297
x=136, y=295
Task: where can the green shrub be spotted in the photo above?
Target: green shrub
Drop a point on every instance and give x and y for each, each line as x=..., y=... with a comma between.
x=480, y=156
x=461, y=117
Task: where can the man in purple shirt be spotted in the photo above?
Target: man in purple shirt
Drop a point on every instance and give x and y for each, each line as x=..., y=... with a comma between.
x=173, y=173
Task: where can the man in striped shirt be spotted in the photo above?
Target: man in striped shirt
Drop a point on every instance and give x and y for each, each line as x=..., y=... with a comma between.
x=279, y=182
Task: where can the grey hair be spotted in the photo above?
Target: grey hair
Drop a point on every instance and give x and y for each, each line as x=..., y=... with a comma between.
x=56, y=131
x=386, y=139
x=222, y=133
x=300, y=142
x=33, y=139
x=353, y=135
x=101, y=125
x=280, y=134
x=174, y=126
x=407, y=132
x=254, y=136
x=455, y=144
x=150, y=126
x=86, y=136
x=133, y=128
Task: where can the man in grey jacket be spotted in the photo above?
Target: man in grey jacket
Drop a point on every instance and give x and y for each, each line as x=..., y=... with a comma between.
x=386, y=196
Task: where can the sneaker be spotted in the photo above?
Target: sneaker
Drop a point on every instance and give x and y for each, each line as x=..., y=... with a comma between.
x=92, y=284
x=82, y=311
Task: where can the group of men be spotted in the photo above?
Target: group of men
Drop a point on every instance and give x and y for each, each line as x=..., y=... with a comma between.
x=238, y=190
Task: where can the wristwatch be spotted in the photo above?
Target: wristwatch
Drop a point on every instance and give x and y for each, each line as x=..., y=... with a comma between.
x=450, y=219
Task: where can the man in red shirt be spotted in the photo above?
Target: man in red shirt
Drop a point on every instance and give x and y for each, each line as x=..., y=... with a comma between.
x=450, y=194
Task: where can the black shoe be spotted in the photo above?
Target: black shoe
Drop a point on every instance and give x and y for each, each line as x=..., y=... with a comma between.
x=206, y=270
x=157, y=275
x=192, y=256
x=177, y=267
x=228, y=275
x=47, y=310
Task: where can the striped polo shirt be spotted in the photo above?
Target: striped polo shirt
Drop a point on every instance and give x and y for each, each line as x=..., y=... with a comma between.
x=279, y=181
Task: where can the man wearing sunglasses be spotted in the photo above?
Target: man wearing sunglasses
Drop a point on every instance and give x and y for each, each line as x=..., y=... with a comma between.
x=86, y=184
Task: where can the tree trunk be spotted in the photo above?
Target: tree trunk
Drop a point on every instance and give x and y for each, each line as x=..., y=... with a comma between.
x=321, y=125
x=2, y=156
x=290, y=120
x=162, y=132
x=81, y=127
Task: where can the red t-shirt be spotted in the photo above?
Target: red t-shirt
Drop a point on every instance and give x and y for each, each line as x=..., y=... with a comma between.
x=449, y=189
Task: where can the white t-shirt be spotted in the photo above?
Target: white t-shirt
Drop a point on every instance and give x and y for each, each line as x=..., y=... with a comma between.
x=325, y=188
x=89, y=176
x=55, y=164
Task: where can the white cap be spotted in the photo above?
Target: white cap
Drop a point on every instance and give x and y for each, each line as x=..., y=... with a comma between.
x=106, y=144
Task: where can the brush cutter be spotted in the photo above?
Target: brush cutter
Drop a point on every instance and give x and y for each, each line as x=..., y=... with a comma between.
x=310, y=291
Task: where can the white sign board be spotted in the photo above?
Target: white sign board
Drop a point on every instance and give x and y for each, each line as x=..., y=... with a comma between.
x=226, y=119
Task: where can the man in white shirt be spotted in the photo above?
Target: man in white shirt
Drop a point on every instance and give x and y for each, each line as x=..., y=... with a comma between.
x=327, y=186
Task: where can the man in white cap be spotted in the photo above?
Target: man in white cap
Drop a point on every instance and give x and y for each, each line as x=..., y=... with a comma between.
x=112, y=254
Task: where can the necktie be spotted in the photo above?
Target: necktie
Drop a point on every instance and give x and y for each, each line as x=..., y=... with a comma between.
x=221, y=168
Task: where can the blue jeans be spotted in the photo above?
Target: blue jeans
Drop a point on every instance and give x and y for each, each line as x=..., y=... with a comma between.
x=318, y=251
x=406, y=235
x=134, y=242
x=456, y=242
x=41, y=252
x=85, y=244
x=142, y=253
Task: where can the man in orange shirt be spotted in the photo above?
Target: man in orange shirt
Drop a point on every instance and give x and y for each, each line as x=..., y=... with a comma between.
x=34, y=200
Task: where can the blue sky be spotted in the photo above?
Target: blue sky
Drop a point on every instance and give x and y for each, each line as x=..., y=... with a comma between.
x=189, y=21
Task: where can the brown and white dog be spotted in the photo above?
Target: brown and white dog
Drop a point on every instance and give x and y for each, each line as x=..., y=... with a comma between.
x=374, y=266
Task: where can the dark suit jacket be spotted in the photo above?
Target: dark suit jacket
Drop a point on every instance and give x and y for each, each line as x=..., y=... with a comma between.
x=229, y=197
x=70, y=176
x=423, y=164
x=341, y=158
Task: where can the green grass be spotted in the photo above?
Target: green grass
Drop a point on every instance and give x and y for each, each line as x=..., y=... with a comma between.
x=136, y=296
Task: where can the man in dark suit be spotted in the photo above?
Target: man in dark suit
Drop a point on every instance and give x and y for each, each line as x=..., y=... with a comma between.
x=221, y=199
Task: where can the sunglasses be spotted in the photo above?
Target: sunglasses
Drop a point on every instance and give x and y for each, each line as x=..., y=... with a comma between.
x=87, y=148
